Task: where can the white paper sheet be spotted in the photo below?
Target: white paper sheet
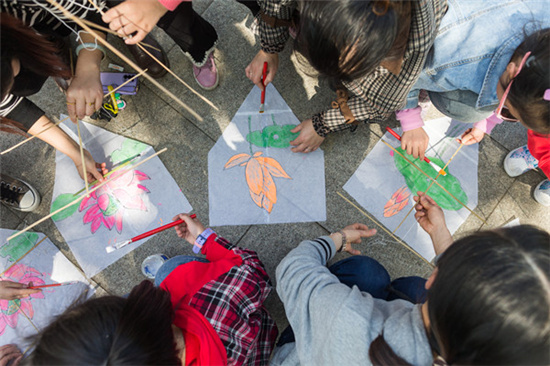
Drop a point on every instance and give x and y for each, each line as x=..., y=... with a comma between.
x=254, y=177
x=376, y=181
x=137, y=202
x=44, y=264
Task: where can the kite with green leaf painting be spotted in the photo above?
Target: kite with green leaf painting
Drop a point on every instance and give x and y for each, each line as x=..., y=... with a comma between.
x=416, y=181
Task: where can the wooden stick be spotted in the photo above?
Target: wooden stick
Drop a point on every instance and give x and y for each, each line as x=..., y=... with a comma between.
x=386, y=230
x=179, y=79
x=24, y=255
x=126, y=82
x=81, y=197
x=430, y=186
x=78, y=21
x=440, y=186
x=33, y=136
x=141, y=45
x=84, y=172
x=66, y=118
x=107, y=30
x=26, y=316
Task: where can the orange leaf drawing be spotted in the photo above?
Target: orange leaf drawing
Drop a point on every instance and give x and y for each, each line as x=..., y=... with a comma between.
x=259, y=173
x=397, y=202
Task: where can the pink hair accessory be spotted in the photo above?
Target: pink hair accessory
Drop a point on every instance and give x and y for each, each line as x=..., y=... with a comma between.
x=546, y=95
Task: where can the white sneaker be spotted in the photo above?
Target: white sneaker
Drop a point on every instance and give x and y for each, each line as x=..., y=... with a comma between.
x=519, y=161
x=542, y=193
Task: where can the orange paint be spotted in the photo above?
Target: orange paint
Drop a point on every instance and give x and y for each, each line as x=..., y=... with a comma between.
x=397, y=202
x=259, y=173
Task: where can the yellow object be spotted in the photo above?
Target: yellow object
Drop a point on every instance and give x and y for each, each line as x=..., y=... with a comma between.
x=113, y=99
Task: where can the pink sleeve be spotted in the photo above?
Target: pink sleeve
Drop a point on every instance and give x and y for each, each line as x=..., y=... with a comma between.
x=171, y=4
x=410, y=118
x=488, y=123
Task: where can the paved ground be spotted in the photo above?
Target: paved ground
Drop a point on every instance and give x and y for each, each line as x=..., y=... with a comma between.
x=155, y=119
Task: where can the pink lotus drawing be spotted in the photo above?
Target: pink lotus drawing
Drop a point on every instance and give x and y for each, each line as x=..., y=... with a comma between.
x=107, y=205
x=10, y=309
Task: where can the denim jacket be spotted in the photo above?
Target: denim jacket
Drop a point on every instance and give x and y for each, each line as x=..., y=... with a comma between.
x=474, y=44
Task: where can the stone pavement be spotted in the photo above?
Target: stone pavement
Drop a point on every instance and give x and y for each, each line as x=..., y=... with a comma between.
x=155, y=119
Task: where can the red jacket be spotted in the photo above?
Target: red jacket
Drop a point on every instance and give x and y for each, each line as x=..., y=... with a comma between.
x=539, y=147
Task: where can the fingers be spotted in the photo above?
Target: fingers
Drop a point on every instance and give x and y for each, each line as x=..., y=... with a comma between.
x=136, y=37
x=109, y=15
x=296, y=129
x=10, y=355
x=102, y=169
x=71, y=110
x=96, y=174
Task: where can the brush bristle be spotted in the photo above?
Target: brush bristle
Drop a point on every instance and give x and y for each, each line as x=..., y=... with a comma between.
x=110, y=249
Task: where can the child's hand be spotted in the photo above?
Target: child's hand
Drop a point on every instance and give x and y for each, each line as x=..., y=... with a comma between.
x=432, y=219
x=190, y=229
x=472, y=136
x=255, y=69
x=415, y=142
x=13, y=290
x=10, y=355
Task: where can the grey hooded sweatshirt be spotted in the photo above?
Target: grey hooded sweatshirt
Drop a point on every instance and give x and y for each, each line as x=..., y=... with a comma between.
x=335, y=324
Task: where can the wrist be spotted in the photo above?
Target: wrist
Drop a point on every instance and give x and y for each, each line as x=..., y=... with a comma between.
x=202, y=238
x=340, y=240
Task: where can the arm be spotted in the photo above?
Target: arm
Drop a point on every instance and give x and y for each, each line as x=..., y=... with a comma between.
x=272, y=40
x=57, y=138
x=431, y=218
x=314, y=298
x=476, y=134
x=85, y=93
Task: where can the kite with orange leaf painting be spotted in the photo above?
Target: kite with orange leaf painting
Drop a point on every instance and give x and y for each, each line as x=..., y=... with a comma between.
x=260, y=171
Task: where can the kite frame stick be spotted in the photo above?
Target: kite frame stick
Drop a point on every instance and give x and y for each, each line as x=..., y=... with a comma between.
x=82, y=196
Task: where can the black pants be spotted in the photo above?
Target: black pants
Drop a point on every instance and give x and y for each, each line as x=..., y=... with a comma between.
x=190, y=31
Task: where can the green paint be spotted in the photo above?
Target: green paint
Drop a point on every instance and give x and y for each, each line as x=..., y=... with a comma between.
x=416, y=181
x=112, y=208
x=129, y=149
x=18, y=246
x=13, y=307
x=63, y=200
x=273, y=136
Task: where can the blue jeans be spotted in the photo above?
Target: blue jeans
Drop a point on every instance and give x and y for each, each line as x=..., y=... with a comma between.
x=460, y=105
x=370, y=276
x=171, y=264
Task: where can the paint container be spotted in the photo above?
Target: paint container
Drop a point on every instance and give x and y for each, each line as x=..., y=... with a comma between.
x=152, y=264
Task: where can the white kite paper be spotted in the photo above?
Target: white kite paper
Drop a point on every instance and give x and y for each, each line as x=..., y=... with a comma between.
x=140, y=200
x=254, y=177
x=385, y=183
x=44, y=264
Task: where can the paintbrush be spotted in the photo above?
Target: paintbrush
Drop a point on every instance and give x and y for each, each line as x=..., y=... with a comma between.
x=54, y=285
x=264, y=74
x=433, y=165
x=122, y=244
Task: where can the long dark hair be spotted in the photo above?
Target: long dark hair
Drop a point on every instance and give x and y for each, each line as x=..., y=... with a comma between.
x=112, y=330
x=527, y=90
x=346, y=40
x=34, y=52
x=489, y=303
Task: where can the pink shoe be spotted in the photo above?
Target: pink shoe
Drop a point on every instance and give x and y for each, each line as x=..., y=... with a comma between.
x=207, y=74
